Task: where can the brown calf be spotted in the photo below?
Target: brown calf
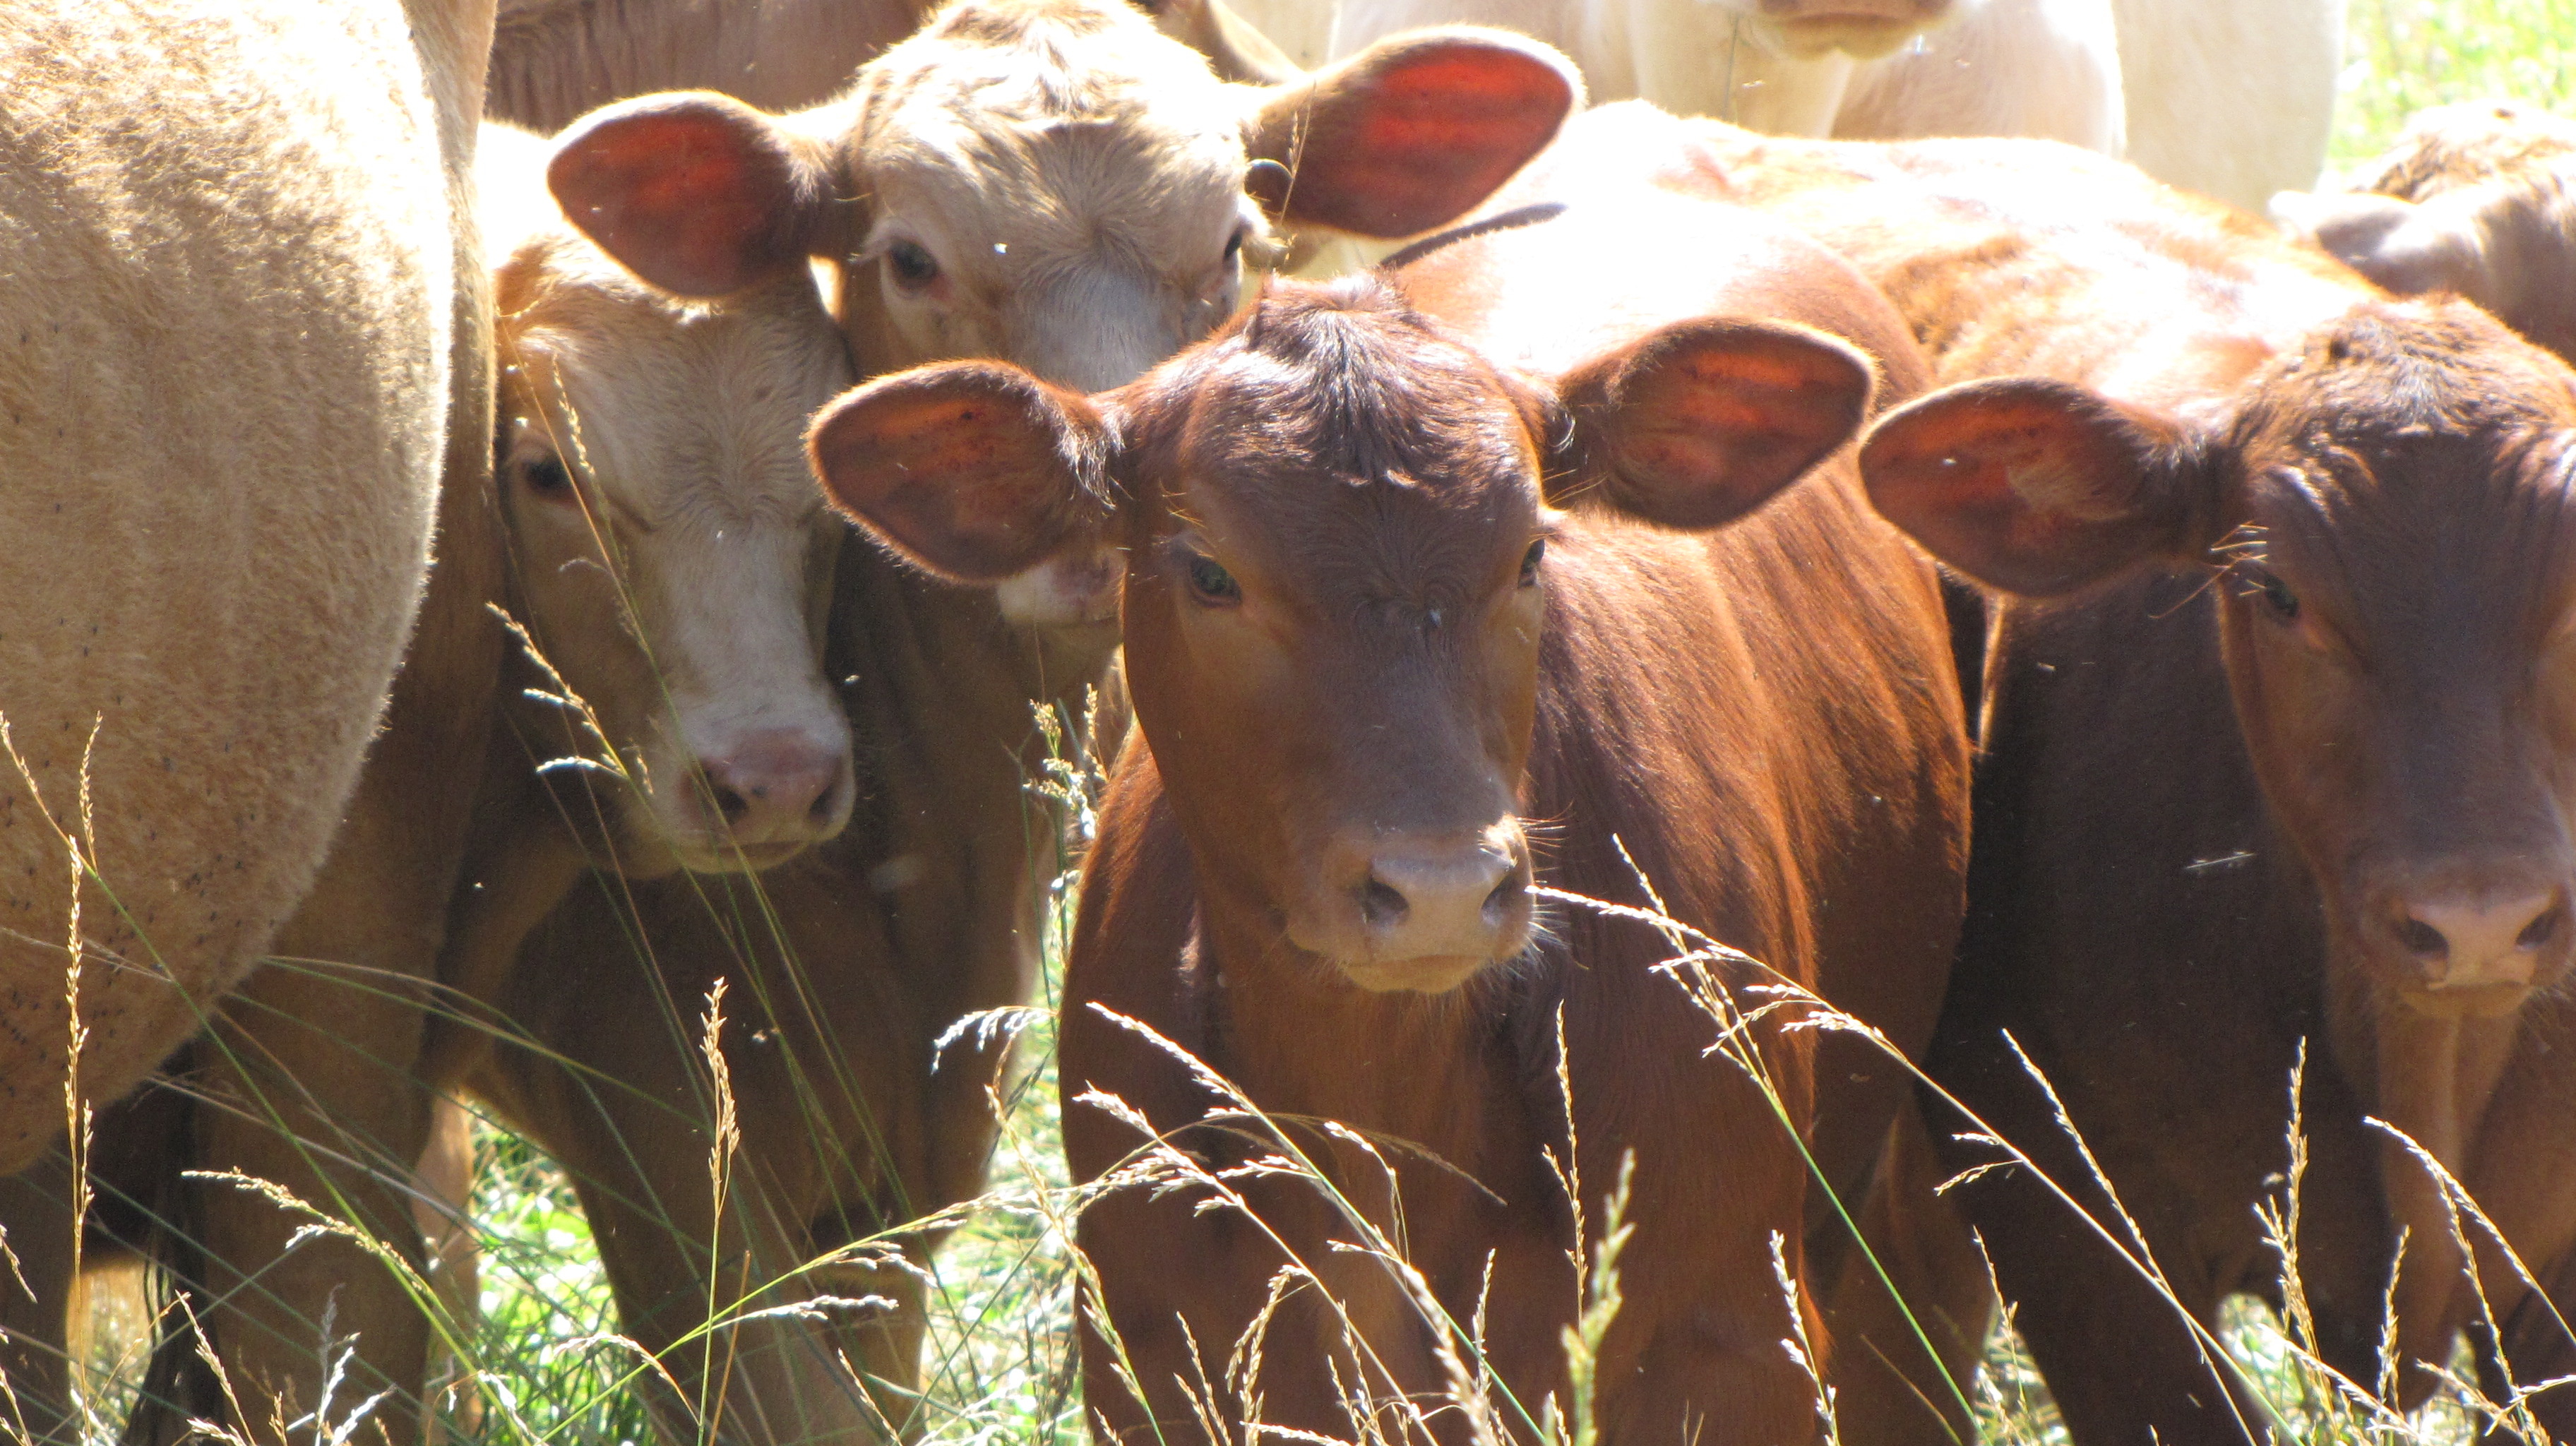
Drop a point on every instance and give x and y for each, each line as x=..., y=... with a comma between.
x=2472, y=199
x=1364, y=646
x=2304, y=782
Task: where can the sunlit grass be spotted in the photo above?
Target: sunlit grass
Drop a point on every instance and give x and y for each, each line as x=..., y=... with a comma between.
x=2404, y=55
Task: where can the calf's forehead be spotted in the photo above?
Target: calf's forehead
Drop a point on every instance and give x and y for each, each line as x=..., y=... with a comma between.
x=2417, y=459
x=1327, y=435
x=1111, y=126
x=681, y=407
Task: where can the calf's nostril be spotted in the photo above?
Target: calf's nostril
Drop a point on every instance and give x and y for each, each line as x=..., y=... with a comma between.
x=1505, y=894
x=2540, y=930
x=1381, y=905
x=2422, y=939
x=729, y=802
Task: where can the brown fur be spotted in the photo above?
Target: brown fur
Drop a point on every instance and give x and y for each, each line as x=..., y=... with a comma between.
x=923, y=911
x=1278, y=446
x=1467, y=1077
x=2215, y=796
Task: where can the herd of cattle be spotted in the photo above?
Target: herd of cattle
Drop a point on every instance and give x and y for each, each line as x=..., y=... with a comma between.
x=2077, y=629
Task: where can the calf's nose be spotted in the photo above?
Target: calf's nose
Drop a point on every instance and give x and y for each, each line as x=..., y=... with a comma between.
x=778, y=786
x=1465, y=900
x=2461, y=941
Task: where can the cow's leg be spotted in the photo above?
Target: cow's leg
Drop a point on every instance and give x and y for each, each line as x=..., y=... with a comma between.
x=1887, y=1387
x=771, y=1379
x=35, y=1211
x=2523, y=1175
x=1696, y=1351
x=441, y=1207
x=1179, y=1290
x=2121, y=1360
x=309, y=1088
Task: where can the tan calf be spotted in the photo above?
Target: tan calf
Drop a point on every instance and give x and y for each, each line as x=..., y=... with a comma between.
x=672, y=552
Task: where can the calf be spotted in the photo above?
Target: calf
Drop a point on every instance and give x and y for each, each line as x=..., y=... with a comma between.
x=1387, y=690
x=2474, y=200
x=2287, y=769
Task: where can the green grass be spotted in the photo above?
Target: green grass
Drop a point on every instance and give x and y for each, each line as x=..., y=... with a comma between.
x=2404, y=55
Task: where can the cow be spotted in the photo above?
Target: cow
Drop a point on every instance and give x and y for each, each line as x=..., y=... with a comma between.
x=1776, y=67
x=1387, y=693
x=254, y=234
x=2049, y=69
x=554, y=61
x=843, y=970
x=674, y=563
x=2274, y=761
x=2229, y=99
x=2472, y=199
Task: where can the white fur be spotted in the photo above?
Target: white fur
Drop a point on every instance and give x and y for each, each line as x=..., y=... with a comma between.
x=2230, y=98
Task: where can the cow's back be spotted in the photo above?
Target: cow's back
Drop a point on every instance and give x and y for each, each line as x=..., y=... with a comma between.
x=2025, y=256
x=1838, y=620
x=225, y=382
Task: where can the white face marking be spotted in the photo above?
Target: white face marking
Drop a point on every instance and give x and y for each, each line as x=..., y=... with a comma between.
x=675, y=553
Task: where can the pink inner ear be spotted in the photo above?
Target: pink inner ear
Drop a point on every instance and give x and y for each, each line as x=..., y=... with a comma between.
x=1944, y=470
x=963, y=467
x=1420, y=141
x=693, y=202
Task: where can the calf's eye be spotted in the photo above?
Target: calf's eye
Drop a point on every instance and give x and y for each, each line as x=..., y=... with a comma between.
x=1211, y=583
x=1530, y=561
x=2277, y=596
x=1233, y=248
x=547, y=477
x=912, y=264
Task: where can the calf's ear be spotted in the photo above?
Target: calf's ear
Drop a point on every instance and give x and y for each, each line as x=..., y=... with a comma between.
x=693, y=191
x=2407, y=247
x=2030, y=485
x=1701, y=422
x=1410, y=133
x=975, y=470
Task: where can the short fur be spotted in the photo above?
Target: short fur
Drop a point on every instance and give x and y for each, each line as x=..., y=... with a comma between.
x=253, y=329
x=2215, y=795
x=1370, y=474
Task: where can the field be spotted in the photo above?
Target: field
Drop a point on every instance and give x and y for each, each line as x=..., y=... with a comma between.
x=546, y=1361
